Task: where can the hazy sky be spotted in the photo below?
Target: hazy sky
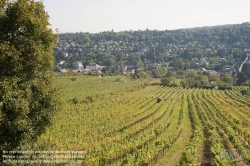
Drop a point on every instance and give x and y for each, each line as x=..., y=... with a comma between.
x=104, y=15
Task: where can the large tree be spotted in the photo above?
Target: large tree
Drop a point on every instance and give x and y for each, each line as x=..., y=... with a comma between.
x=242, y=78
x=28, y=97
x=160, y=72
x=246, y=69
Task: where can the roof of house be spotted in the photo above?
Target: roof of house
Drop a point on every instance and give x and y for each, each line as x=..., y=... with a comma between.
x=63, y=70
x=92, y=64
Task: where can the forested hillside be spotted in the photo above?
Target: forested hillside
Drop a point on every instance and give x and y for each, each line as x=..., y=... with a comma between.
x=181, y=48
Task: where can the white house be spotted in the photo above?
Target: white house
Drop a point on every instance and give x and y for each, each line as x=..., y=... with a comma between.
x=63, y=71
x=94, y=66
x=60, y=64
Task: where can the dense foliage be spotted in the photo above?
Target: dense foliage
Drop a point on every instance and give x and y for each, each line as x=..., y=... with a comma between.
x=143, y=47
x=27, y=94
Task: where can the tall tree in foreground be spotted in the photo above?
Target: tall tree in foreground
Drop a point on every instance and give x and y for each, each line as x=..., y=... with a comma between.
x=28, y=97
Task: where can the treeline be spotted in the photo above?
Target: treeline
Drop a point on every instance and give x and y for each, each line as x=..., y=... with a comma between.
x=229, y=34
x=194, y=79
x=144, y=47
x=205, y=79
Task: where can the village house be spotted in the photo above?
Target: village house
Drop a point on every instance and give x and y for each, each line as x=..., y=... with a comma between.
x=155, y=66
x=94, y=66
x=60, y=64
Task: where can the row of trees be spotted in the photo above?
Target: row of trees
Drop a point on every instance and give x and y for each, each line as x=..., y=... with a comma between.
x=197, y=79
x=223, y=34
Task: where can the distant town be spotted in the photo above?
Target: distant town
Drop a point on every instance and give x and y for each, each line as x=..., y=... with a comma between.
x=217, y=50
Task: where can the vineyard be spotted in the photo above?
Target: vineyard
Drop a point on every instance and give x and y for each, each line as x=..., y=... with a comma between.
x=120, y=122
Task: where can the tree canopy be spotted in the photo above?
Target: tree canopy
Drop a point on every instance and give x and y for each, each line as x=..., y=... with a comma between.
x=28, y=97
x=213, y=48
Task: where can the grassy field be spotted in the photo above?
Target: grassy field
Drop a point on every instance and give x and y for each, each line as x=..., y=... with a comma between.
x=118, y=121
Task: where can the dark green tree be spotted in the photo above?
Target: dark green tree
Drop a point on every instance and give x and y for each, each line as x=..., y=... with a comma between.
x=28, y=97
x=160, y=72
x=86, y=40
x=170, y=81
x=246, y=69
x=241, y=78
x=228, y=79
x=142, y=74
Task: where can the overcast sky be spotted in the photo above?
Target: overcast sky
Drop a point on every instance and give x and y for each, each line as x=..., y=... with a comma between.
x=104, y=15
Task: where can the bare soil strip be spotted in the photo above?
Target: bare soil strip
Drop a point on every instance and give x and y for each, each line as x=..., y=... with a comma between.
x=206, y=158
